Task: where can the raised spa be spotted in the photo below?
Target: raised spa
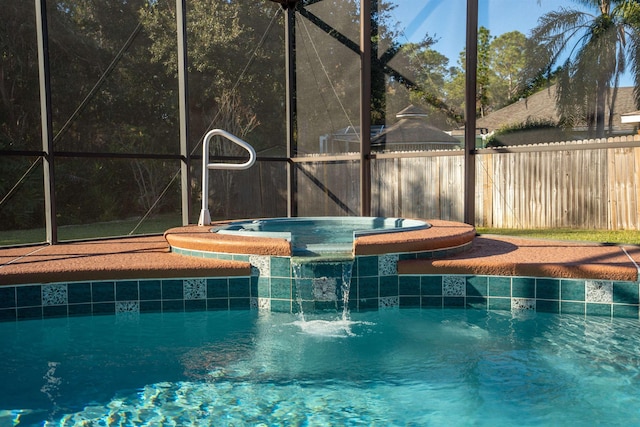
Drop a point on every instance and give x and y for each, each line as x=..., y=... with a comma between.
x=308, y=264
x=320, y=235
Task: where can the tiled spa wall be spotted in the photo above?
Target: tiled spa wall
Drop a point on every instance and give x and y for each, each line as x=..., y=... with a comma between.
x=375, y=285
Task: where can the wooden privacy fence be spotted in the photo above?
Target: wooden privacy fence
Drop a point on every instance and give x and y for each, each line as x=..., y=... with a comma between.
x=578, y=184
x=592, y=184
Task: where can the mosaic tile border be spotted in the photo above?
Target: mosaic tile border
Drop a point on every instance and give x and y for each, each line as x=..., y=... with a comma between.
x=124, y=297
x=367, y=292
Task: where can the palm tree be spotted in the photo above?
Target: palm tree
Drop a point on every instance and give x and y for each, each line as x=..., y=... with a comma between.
x=591, y=52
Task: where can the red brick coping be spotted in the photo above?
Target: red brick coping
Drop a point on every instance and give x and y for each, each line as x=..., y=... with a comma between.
x=441, y=235
x=113, y=259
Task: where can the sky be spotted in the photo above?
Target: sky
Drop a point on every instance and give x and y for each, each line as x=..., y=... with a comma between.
x=445, y=20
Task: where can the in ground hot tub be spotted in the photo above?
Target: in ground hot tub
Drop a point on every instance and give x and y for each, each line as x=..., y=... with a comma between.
x=310, y=236
x=308, y=264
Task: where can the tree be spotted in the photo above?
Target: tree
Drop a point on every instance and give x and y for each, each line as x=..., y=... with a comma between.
x=592, y=52
x=428, y=71
x=508, y=59
x=500, y=63
x=483, y=71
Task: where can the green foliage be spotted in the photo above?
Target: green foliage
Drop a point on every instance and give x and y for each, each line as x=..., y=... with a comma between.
x=429, y=72
x=588, y=52
x=507, y=61
x=115, y=90
x=500, y=63
x=530, y=132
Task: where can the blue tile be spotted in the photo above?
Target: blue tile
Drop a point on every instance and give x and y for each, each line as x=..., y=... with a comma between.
x=102, y=292
x=327, y=269
x=80, y=309
x=195, y=305
x=103, y=308
x=239, y=287
x=453, y=302
x=280, y=288
x=409, y=285
x=253, y=283
x=499, y=287
x=127, y=290
x=409, y=301
x=264, y=287
x=304, y=270
x=218, y=304
x=172, y=290
x=239, y=303
x=55, y=311
x=324, y=305
x=367, y=287
x=217, y=288
x=150, y=290
x=367, y=266
x=306, y=306
x=568, y=307
x=210, y=255
x=368, y=304
x=28, y=296
x=172, y=305
x=151, y=306
x=548, y=289
x=389, y=286
x=523, y=287
x=303, y=288
x=499, y=304
x=478, y=303
x=547, y=306
x=7, y=297
x=432, y=302
x=431, y=285
x=280, y=306
x=625, y=292
x=280, y=267
x=29, y=313
x=596, y=309
x=572, y=290
x=79, y=292
x=628, y=311
x=8, y=314
x=477, y=286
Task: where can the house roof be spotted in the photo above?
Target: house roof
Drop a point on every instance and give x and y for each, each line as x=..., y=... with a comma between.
x=632, y=117
x=412, y=128
x=542, y=106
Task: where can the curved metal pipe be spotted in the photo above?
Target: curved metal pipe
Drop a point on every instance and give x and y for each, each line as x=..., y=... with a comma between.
x=205, y=217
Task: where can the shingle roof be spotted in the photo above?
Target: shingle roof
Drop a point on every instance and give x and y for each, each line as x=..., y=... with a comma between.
x=542, y=106
x=412, y=128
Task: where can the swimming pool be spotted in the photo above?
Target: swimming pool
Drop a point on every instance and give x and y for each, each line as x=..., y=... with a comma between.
x=387, y=367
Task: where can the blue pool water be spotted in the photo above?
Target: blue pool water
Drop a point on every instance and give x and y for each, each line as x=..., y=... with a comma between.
x=393, y=367
x=310, y=235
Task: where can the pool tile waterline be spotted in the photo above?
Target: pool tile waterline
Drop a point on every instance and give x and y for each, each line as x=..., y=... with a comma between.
x=273, y=286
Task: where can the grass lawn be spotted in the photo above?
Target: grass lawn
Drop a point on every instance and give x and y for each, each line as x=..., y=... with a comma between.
x=156, y=225
x=631, y=237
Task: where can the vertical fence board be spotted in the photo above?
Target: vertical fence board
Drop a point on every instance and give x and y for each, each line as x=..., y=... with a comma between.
x=576, y=188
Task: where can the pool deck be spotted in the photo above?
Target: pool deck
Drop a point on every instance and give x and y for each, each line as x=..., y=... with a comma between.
x=151, y=257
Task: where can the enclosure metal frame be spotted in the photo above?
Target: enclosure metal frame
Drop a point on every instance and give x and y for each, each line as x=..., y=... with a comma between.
x=44, y=72
x=364, y=157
